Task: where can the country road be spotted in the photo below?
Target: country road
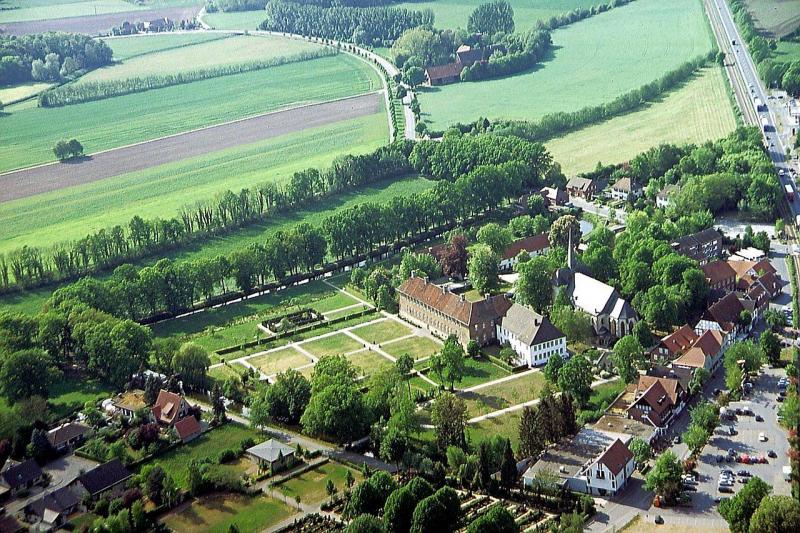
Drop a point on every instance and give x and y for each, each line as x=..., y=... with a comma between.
x=53, y=176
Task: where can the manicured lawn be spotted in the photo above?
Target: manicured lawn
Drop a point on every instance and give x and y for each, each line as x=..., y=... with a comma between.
x=369, y=362
x=506, y=425
x=279, y=361
x=241, y=20
x=231, y=370
x=130, y=46
x=455, y=13
x=109, y=123
x=18, y=92
x=480, y=371
x=176, y=461
x=417, y=347
x=72, y=392
x=344, y=312
x=776, y=16
x=216, y=513
x=698, y=111
x=502, y=395
x=593, y=61
x=203, y=55
x=333, y=345
x=337, y=300
x=381, y=332
x=310, y=486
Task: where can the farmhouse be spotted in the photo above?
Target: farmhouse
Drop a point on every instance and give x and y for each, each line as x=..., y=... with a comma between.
x=444, y=313
x=581, y=187
x=16, y=477
x=702, y=246
x=532, y=336
x=626, y=189
x=272, y=455
x=67, y=436
x=533, y=246
x=107, y=478
x=593, y=462
x=169, y=408
x=443, y=74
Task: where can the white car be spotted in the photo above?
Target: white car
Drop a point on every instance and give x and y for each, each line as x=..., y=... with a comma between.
x=762, y=437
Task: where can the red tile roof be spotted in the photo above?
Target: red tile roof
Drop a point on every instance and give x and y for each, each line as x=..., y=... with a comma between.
x=657, y=397
x=188, y=427
x=671, y=386
x=453, y=305
x=441, y=72
x=616, y=457
x=679, y=341
x=167, y=406
x=718, y=271
x=535, y=243
x=726, y=311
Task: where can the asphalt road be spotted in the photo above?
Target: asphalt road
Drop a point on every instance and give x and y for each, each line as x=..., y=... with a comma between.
x=97, y=24
x=53, y=176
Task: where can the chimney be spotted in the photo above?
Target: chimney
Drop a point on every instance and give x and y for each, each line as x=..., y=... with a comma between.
x=413, y=273
x=461, y=297
x=444, y=289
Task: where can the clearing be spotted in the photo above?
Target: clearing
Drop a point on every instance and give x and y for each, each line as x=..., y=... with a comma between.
x=775, y=17
x=310, y=485
x=593, y=62
x=698, y=111
x=218, y=513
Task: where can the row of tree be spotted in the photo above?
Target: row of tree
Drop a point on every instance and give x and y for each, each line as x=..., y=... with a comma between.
x=90, y=91
x=376, y=26
x=49, y=56
x=31, y=266
x=521, y=52
x=578, y=14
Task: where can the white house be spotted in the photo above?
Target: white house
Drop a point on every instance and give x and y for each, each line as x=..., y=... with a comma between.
x=532, y=336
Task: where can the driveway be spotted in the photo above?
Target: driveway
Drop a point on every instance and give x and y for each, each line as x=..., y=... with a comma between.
x=62, y=471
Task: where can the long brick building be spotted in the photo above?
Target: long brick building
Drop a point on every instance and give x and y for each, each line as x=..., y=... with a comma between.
x=444, y=313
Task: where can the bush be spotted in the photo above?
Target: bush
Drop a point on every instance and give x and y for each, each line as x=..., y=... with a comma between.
x=65, y=150
x=226, y=456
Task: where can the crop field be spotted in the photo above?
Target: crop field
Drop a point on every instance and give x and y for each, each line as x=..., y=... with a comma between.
x=417, y=347
x=203, y=55
x=163, y=190
x=239, y=20
x=594, y=61
x=698, y=111
x=381, y=332
x=776, y=17
x=109, y=123
x=218, y=513
x=455, y=13
x=135, y=45
x=52, y=9
x=18, y=92
x=279, y=361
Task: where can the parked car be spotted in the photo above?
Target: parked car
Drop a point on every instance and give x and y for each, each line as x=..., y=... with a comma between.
x=771, y=453
x=762, y=437
x=744, y=473
x=727, y=472
x=732, y=430
x=659, y=519
x=720, y=458
x=759, y=418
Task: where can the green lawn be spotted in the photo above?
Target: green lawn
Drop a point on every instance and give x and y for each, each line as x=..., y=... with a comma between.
x=176, y=461
x=502, y=395
x=232, y=370
x=217, y=513
x=506, y=425
x=381, y=332
x=480, y=371
x=135, y=45
x=778, y=17
x=698, y=111
x=24, y=90
x=416, y=347
x=310, y=485
x=332, y=345
x=337, y=300
x=455, y=13
x=161, y=191
x=280, y=361
x=202, y=55
x=787, y=51
x=110, y=123
x=369, y=362
x=70, y=393
x=594, y=61
x=241, y=20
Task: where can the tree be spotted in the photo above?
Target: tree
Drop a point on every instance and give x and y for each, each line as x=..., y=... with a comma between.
x=217, y=404
x=439, y=512
x=770, y=345
x=508, y=468
x=370, y=495
x=449, y=362
x=699, y=378
x=483, y=269
x=553, y=367
x=454, y=259
x=191, y=362
x=338, y=411
x=259, y=412
x=494, y=236
x=413, y=76
x=573, y=323
x=496, y=520
x=449, y=415
x=576, y=378
x=365, y=523
x=399, y=510
x=25, y=374
x=747, y=351
x=288, y=397
x=738, y=509
x=533, y=284
x=695, y=437
x=562, y=228
x=491, y=18
x=776, y=514
x=628, y=355
x=641, y=450
x=665, y=477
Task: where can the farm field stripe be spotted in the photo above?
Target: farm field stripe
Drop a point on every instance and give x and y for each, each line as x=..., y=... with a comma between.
x=53, y=176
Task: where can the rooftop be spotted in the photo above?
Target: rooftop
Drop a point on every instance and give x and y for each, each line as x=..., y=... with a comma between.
x=572, y=457
x=529, y=326
x=270, y=450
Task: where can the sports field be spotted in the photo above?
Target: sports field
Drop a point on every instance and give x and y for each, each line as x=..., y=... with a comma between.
x=27, y=136
x=594, y=61
x=233, y=50
x=776, y=17
x=698, y=111
x=455, y=13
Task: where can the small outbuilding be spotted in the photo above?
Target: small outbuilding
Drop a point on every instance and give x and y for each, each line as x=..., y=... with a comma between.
x=272, y=455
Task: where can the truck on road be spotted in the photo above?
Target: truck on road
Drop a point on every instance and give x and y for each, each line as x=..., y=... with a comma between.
x=789, y=192
x=757, y=103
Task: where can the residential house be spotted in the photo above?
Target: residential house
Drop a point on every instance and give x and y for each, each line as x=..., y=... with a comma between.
x=468, y=56
x=67, y=436
x=723, y=315
x=169, y=408
x=703, y=246
x=706, y=352
x=657, y=400
x=554, y=196
x=675, y=343
x=581, y=187
x=127, y=403
x=105, y=479
x=188, y=428
x=443, y=74
x=532, y=336
x=272, y=455
x=17, y=477
x=626, y=189
x=663, y=197
x=593, y=462
x=52, y=510
x=444, y=313
x=754, y=273
x=720, y=276
x=533, y=246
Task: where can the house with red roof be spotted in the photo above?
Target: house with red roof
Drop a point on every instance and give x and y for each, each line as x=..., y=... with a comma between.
x=188, y=428
x=169, y=408
x=533, y=246
x=675, y=344
x=706, y=352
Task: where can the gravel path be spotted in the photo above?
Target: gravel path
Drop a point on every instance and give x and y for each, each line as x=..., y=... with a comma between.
x=53, y=176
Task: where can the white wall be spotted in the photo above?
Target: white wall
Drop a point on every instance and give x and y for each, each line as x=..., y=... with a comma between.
x=536, y=355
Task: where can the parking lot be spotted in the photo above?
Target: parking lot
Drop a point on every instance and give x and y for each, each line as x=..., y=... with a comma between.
x=745, y=441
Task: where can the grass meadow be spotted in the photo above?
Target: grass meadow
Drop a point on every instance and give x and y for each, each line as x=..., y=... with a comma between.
x=593, y=61
x=787, y=51
x=132, y=118
x=129, y=46
x=240, y=20
x=15, y=93
x=218, y=513
x=698, y=111
x=777, y=17
x=310, y=485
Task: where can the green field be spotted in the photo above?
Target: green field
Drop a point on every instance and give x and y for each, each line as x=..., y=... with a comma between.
x=310, y=485
x=369, y=362
x=332, y=345
x=381, y=332
x=777, y=17
x=279, y=361
x=217, y=513
x=502, y=395
x=202, y=55
x=787, y=51
x=110, y=123
x=594, y=61
x=698, y=111
x=241, y=20
x=226, y=371
x=416, y=347
x=55, y=9
x=455, y=13
x=19, y=92
x=506, y=425
x=130, y=46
